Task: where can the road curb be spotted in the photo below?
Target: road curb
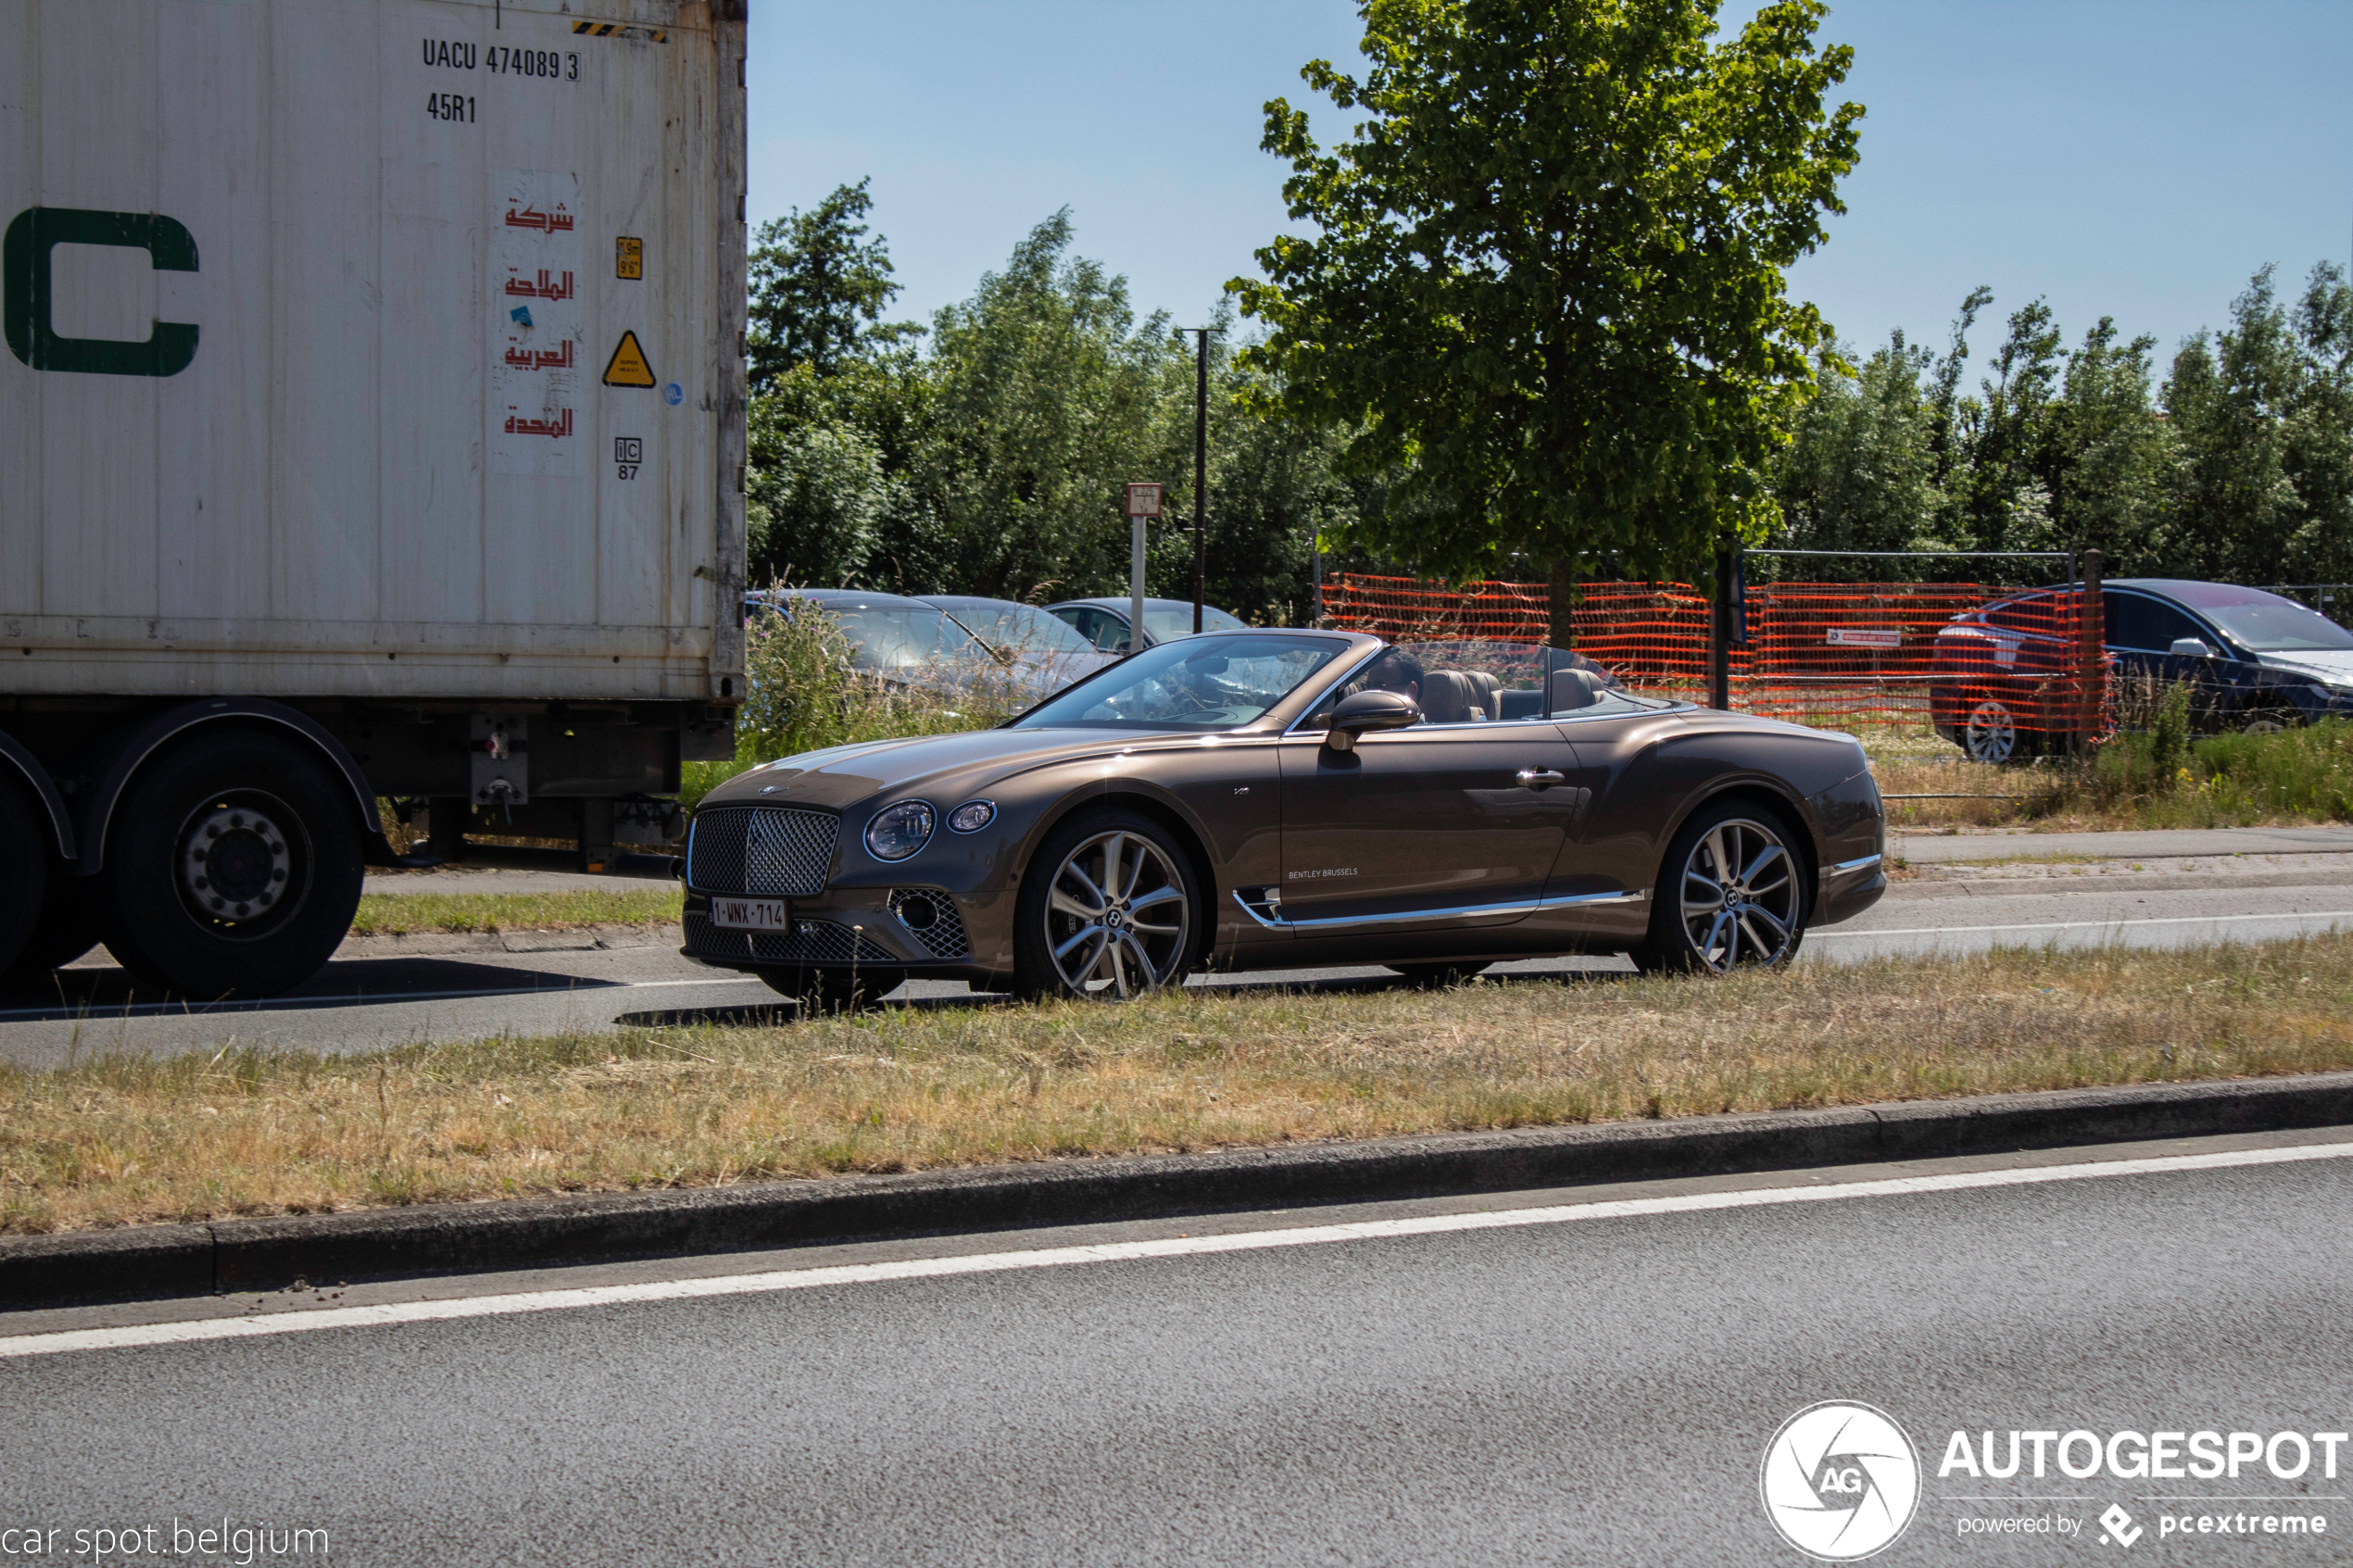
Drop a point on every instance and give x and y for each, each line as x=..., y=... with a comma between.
x=233, y=1255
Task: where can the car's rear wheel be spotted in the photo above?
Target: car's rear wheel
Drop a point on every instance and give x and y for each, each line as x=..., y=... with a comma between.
x=828, y=992
x=1436, y=976
x=1990, y=733
x=1731, y=895
x=2264, y=724
x=1108, y=910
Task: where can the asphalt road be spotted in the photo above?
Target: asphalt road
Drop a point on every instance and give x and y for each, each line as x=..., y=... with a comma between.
x=1462, y=1382
x=2157, y=889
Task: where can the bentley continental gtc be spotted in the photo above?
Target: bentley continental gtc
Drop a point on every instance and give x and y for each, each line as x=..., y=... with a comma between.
x=1280, y=799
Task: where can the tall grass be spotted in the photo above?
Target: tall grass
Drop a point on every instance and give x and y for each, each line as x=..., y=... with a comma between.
x=803, y=693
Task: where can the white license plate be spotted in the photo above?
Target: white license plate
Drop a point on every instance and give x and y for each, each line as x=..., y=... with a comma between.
x=748, y=914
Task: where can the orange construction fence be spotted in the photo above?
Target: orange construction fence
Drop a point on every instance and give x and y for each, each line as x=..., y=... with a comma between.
x=1900, y=655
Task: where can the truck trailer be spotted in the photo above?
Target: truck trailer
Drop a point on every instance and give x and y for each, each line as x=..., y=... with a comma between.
x=371, y=430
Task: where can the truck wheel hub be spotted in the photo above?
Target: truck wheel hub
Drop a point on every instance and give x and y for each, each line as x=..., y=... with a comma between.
x=235, y=863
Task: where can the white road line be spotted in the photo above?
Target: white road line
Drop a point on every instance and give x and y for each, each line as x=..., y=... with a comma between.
x=1170, y=1246
x=2075, y=925
x=588, y=988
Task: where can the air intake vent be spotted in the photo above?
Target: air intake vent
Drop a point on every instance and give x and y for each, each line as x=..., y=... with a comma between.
x=930, y=918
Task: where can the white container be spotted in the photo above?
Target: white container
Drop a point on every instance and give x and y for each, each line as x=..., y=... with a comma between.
x=310, y=307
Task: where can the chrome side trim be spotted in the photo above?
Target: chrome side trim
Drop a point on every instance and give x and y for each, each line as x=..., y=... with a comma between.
x=1460, y=912
x=1864, y=863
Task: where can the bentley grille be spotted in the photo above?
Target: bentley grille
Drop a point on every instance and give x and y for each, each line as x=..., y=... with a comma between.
x=761, y=849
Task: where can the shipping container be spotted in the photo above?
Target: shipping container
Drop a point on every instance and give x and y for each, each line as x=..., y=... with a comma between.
x=372, y=427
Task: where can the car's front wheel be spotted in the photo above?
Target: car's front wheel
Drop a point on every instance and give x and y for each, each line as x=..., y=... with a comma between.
x=1108, y=909
x=1731, y=894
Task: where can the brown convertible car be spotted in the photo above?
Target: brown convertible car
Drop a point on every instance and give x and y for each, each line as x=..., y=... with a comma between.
x=1275, y=799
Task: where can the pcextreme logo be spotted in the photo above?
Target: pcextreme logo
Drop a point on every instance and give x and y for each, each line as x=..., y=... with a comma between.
x=1839, y=1481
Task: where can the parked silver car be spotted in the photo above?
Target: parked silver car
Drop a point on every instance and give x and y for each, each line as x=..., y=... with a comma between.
x=1103, y=623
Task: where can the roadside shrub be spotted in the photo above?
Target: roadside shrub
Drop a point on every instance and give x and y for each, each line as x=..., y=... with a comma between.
x=802, y=693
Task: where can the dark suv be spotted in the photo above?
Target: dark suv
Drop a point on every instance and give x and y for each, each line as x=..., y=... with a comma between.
x=2252, y=661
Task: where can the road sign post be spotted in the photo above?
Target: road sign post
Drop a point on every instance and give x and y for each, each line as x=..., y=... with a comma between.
x=1143, y=503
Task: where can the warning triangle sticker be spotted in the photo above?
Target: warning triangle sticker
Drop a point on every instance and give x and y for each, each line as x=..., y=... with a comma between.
x=628, y=367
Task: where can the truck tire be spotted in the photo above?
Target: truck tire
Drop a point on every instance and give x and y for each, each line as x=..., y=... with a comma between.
x=24, y=874
x=232, y=868
x=68, y=926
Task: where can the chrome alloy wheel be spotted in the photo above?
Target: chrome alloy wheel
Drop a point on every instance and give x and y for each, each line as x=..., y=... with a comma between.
x=1991, y=734
x=1118, y=921
x=1742, y=901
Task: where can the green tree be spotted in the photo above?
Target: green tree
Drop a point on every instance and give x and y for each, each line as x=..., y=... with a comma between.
x=818, y=288
x=1547, y=283
x=1860, y=470
x=1044, y=392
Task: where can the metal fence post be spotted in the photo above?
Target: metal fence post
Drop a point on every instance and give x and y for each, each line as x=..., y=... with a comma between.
x=1720, y=640
x=2092, y=628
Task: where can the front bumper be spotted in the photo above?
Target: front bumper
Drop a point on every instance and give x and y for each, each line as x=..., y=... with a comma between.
x=910, y=928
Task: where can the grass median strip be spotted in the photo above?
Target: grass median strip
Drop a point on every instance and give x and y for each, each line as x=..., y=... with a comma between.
x=403, y=914
x=126, y=1140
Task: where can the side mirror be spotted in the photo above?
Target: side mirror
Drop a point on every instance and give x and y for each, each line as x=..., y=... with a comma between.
x=1369, y=710
x=2190, y=648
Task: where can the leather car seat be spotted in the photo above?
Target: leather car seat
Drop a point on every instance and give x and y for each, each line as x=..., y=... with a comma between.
x=1487, y=694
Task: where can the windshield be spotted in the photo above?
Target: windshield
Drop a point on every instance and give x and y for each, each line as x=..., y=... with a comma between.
x=895, y=639
x=1163, y=624
x=1018, y=628
x=2278, y=626
x=1204, y=682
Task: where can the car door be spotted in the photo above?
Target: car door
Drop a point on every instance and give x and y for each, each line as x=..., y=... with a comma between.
x=2142, y=630
x=1437, y=826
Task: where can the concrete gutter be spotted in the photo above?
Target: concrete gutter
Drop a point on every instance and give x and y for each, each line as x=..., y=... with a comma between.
x=242, y=1255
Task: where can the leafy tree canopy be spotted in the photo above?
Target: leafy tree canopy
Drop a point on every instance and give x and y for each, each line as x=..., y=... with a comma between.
x=1547, y=285
x=818, y=289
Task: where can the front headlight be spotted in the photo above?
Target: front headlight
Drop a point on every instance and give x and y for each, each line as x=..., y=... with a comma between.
x=898, y=831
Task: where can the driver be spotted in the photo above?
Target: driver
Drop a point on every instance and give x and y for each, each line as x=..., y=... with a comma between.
x=1398, y=672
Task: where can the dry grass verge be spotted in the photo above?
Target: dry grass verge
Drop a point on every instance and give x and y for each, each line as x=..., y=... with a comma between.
x=400, y=914
x=127, y=1140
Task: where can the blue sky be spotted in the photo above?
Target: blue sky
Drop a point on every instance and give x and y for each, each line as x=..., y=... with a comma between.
x=2138, y=160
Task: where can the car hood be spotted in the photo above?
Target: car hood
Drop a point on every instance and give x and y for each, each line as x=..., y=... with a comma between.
x=2333, y=665
x=841, y=776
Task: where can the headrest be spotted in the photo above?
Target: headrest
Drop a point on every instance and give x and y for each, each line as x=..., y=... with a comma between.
x=1572, y=689
x=1447, y=696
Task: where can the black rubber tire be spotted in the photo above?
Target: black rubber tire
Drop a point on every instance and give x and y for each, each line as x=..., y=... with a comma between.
x=827, y=993
x=152, y=923
x=1667, y=949
x=1035, y=976
x=24, y=874
x=69, y=926
x=1438, y=976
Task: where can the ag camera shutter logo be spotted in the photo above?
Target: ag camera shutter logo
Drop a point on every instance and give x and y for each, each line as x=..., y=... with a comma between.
x=1839, y=1481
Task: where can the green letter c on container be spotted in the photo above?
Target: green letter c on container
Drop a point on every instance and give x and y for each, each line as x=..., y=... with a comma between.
x=24, y=265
